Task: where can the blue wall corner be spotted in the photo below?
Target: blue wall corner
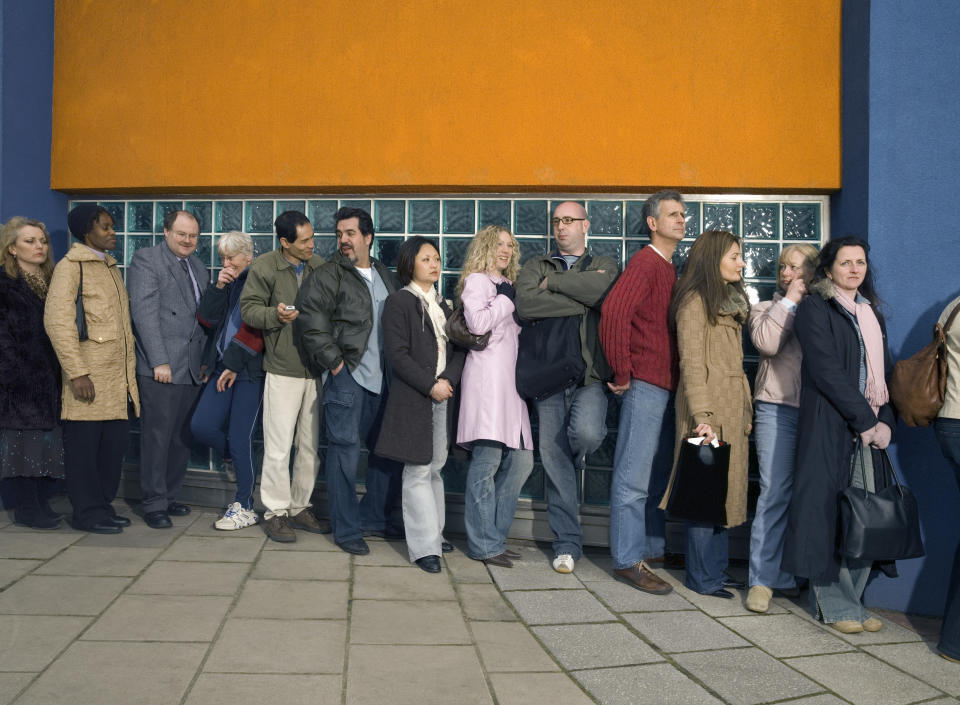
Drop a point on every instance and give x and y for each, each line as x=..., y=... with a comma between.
x=27, y=118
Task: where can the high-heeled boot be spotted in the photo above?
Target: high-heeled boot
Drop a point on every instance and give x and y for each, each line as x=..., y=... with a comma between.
x=28, y=512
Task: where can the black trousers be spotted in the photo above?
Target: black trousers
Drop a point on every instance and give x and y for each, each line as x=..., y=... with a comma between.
x=92, y=459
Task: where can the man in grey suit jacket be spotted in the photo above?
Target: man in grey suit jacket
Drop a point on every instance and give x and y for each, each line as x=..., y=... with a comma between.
x=165, y=283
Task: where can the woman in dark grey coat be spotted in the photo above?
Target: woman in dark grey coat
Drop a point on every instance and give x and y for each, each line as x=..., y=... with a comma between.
x=426, y=368
x=845, y=419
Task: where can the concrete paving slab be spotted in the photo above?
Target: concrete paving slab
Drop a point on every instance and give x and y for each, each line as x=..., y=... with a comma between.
x=863, y=679
x=558, y=607
x=99, y=560
x=923, y=661
x=160, y=618
x=509, y=647
x=137, y=535
x=60, y=595
x=202, y=525
x=30, y=643
x=293, y=599
x=188, y=578
x=221, y=550
x=594, y=568
x=407, y=583
x=484, y=603
x=537, y=689
x=110, y=673
x=407, y=622
x=621, y=597
x=579, y=646
x=785, y=635
x=34, y=544
x=278, y=646
x=11, y=684
x=302, y=565
x=659, y=683
x=746, y=676
x=890, y=633
x=305, y=542
x=248, y=688
x=384, y=553
x=721, y=607
x=466, y=570
x=826, y=699
x=529, y=575
x=416, y=675
x=15, y=568
x=683, y=631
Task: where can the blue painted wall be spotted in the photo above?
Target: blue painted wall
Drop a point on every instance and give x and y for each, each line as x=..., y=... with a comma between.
x=914, y=179
x=26, y=53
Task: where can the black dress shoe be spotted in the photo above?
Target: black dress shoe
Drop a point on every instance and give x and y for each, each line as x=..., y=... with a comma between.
x=512, y=555
x=430, y=564
x=157, y=520
x=447, y=547
x=103, y=527
x=500, y=560
x=729, y=582
x=725, y=594
x=178, y=510
x=118, y=520
x=357, y=547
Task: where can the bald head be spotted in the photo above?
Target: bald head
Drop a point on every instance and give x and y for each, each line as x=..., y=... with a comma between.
x=571, y=235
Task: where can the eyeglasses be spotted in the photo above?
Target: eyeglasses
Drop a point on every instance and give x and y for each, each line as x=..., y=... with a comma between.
x=566, y=220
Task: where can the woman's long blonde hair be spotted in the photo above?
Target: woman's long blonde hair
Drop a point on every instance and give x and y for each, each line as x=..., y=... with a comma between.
x=8, y=236
x=482, y=255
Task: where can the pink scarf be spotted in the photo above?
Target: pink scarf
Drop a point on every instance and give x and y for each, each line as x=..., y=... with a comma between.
x=876, y=389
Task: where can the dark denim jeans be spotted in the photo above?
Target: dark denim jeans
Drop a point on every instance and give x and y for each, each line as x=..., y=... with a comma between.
x=352, y=416
x=948, y=433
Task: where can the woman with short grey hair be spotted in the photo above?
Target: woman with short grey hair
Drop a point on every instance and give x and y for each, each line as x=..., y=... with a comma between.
x=234, y=362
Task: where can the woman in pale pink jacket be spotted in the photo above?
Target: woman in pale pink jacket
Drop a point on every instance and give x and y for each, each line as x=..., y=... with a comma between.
x=494, y=424
x=776, y=409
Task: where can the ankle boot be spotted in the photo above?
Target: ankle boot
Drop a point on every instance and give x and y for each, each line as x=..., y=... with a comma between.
x=47, y=489
x=27, y=512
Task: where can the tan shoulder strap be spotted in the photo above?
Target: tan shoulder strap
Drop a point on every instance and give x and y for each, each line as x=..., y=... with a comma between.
x=953, y=314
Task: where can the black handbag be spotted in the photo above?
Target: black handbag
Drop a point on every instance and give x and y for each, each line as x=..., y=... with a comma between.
x=882, y=525
x=699, y=490
x=459, y=333
x=81, y=315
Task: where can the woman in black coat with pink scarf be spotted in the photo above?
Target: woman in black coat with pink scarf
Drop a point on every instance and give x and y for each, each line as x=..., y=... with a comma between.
x=425, y=368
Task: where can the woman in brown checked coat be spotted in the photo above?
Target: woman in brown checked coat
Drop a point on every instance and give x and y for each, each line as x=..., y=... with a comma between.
x=709, y=309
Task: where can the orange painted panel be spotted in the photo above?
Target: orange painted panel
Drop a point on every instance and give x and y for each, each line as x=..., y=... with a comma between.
x=410, y=95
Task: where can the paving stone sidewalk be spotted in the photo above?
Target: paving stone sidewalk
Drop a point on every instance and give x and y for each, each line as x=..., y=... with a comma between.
x=195, y=616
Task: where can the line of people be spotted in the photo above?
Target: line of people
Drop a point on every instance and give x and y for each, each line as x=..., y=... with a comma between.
x=295, y=334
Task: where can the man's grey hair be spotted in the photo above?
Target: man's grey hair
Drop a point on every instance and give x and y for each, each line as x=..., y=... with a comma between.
x=651, y=207
x=235, y=243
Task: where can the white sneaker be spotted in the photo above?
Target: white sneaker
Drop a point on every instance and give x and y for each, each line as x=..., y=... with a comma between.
x=236, y=517
x=563, y=563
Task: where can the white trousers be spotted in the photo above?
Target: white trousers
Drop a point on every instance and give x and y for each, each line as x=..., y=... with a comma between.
x=291, y=416
x=424, y=510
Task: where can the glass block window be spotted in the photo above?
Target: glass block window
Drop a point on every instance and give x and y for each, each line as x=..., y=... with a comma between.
x=767, y=224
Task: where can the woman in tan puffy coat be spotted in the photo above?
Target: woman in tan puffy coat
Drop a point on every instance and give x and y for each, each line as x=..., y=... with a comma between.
x=709, y=308
x=99, y=379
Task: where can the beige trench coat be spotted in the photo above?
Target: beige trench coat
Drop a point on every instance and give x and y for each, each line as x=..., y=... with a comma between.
x=107, y=356
x=714, y=390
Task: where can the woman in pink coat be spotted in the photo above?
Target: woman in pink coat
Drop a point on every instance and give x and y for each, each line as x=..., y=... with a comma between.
x=494, y=423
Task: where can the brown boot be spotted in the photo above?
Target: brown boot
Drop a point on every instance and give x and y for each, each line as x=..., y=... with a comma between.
x=306, y=521
x=277, y=528
x=642, y=578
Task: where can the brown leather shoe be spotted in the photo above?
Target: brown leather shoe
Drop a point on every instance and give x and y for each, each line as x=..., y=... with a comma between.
x=642, y=578
x=306, y=521
x=500, y=560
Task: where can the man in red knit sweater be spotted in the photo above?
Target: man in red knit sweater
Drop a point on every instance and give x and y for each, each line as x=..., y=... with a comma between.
x=636, y=338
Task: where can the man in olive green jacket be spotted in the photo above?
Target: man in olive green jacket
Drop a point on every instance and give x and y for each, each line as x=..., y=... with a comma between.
x=291, y=411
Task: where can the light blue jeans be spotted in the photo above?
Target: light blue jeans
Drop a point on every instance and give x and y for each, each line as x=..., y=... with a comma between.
x=708, y=554
x=775, y=433
x=842, y=599
x=494, y=480
x=572, y=425
x=637, y=529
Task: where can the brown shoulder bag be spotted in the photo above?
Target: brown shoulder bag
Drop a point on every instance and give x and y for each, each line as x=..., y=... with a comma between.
x=919, y=383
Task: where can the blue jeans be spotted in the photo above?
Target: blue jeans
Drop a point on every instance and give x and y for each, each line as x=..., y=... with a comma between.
x=708, y=553
x=352, y=416
x=948, y=433
x=240, y=403
x=572, y=425
x=842, y=599
x=775, y=432
x=637, y=529
x=491, y=495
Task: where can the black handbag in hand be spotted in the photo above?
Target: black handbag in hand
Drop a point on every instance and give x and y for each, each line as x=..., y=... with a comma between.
x=882, y=525
x=459, y=333
x=699, y=490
